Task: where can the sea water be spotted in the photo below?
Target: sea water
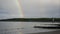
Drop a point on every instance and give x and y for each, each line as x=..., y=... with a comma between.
x=22, y=27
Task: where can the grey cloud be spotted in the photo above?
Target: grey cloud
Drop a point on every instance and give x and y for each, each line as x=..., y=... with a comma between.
x=9, y=9
x=34, y=8
x=31, y=9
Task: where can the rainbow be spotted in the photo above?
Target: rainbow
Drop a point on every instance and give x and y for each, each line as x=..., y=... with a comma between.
x=20, y=8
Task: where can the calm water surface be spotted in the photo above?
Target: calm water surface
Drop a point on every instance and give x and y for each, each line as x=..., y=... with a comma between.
x=22, y=27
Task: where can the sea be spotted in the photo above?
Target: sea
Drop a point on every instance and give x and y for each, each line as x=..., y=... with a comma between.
x=22, y=27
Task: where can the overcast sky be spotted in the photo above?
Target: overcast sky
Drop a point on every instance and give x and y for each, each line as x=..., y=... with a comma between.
x=30, y=8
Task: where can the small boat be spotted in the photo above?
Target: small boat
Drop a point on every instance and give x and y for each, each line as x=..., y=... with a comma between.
x=49, y=26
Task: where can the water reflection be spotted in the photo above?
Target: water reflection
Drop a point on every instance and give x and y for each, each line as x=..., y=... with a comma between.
x=21, y=28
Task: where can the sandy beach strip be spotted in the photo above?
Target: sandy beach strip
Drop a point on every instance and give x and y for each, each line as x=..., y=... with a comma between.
x=54, y=32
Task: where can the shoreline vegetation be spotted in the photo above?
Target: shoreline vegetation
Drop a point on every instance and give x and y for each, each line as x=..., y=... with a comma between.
x=32, y=19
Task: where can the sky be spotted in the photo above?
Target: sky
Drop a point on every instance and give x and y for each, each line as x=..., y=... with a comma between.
x=29, y=9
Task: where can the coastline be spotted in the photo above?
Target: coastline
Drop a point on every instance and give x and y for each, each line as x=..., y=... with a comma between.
x=53, y=32
x=32, y=19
